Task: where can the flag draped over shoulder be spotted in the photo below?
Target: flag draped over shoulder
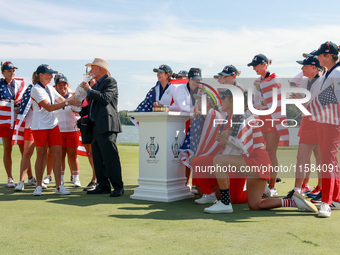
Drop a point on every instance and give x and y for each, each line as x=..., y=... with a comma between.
x=267, y=86
x=25, y=105
x=147, y=104
x=7, y=101
x=189, y=147
x=246, y=133
x=325, y=107
x=213, y=125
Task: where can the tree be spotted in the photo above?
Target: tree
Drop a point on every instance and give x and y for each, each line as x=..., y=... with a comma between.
x=124, y=118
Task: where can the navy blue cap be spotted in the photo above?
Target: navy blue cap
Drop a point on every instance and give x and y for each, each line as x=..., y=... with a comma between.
x=183, y=73
x=310, y=61
x=164, y=69
x=195, y=74
x=227, y=71
x=61, y=78
x=258, y=59
x=45, y=69
x=7, y=66
x=327, y=47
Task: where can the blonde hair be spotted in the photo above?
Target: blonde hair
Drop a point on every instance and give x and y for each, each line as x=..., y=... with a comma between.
x=35, y=78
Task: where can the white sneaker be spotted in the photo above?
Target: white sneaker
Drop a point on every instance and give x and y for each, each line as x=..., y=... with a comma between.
x=273, y=191
x=37, y=191
x=76, y=181
x=303, y=204
x=324, y=211
x=43, y=185
x=219, y=207
x=206, y=199
x=47, y=179
x=19, y=187
x=61, y=190
x=10, y=183
x=335, y=206
x=32, y=182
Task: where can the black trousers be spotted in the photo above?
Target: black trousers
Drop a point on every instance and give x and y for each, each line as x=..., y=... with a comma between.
x=106, y=160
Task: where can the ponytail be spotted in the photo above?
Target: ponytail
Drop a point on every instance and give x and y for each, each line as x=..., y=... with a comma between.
x=35, y=78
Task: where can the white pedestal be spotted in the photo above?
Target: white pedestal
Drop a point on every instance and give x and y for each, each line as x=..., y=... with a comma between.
x=161, y=178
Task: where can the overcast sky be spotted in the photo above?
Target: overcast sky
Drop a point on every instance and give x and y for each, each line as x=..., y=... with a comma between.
x=136, y=36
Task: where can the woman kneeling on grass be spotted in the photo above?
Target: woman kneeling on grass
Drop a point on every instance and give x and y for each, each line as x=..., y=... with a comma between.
x=249, y=140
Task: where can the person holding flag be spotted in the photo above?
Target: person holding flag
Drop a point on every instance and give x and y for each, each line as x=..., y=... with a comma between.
x=24, y=121
x=311, y=81
x=11, y=91
x=161, y=95
x=274, y=133
x=325, y=110
x=244, y=151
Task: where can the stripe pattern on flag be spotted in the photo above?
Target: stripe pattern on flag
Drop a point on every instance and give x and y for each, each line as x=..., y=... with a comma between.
x=246, y=134
x=325, y=107
x=25, y=105
x=267, y=86
x=81, y=151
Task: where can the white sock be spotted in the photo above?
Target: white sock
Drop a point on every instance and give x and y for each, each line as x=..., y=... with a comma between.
x=297, y=189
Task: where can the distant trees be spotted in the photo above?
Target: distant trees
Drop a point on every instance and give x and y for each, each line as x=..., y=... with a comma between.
x=124, y=118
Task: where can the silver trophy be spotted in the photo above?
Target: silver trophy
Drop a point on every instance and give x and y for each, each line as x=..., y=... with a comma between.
x=80, y=93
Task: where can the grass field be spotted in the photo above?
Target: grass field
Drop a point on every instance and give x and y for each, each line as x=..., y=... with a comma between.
x=98, y=224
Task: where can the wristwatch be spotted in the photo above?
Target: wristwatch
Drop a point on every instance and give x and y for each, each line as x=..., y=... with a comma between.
x=66, y=103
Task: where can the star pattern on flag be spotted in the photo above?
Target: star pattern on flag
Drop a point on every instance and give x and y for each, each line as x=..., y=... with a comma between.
x=193, y=134
x=25, y=99
x=147, y=104
x=327, y=97
x=4, y=92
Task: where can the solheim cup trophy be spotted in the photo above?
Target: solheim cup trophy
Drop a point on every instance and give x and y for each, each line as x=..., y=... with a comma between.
x=80, y=93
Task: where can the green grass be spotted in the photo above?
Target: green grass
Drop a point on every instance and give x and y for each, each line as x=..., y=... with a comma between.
x=98, y=224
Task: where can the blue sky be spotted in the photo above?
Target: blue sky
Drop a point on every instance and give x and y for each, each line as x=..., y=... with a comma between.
x=136, y=36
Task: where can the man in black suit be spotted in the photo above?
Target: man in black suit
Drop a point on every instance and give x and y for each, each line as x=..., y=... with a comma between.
x=103, y=113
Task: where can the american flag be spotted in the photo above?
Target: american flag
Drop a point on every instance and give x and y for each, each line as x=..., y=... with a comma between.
x=147, y=104
x=18, y=135
x=267, y=86
x=189, y=147
x=246, y=136
x=212, y=126
x=7, y=101
x=81, y=151
x=325, y=107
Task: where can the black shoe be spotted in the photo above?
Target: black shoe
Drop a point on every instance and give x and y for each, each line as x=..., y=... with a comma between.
x=99, y=190
x=289, y=195
x=91, y=186
x=317, y=199
x=117, y=193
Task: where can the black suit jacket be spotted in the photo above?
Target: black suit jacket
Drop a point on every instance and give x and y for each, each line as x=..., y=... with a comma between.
x=104, y=99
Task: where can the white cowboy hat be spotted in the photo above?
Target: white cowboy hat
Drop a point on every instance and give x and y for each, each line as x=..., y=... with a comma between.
x=101, y=63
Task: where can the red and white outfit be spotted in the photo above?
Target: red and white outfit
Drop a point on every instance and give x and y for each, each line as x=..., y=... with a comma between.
x=249, y=140
x=267, y=86
x=67, y=122
x=7, y=105
x=308, y=127
x=328, y=127
x=44, y=123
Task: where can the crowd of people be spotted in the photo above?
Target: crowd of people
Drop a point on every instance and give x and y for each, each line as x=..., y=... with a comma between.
x=45, y=120
x=42, y=117
x=254, y=147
